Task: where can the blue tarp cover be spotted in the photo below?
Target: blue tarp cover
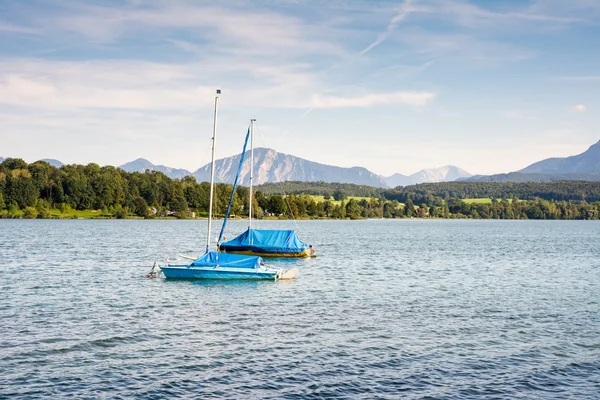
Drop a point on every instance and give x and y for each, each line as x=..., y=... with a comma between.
x=267, y=241
x=212, y=259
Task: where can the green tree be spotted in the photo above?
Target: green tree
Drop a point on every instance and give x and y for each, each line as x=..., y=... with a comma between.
x=30, y=212
x=121, y=212
x=409, y=209
x=276, y=205
x=339, y=195
x=140, y=207
x=42, y=208
x=353, y=210
x=388, y=209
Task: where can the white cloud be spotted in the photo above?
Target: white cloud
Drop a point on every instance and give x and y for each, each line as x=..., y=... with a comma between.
x=580, y=108
x=417, y=99
x=239, y=28
x=471, y=15
x=141, y=85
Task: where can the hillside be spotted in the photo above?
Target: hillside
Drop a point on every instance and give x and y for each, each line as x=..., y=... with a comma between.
x=53, y=162
x=272, y=166
x=523, y=177
x=141, y=165
x=586, y=162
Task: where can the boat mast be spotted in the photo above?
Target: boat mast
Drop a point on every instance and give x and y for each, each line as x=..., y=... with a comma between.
x=212, y=170
x=251, y=168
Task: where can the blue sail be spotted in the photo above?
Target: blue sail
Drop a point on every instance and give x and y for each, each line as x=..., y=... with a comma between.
x=233, y=189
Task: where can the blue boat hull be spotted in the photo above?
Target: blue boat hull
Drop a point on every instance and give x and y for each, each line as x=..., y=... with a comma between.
x=188, y=272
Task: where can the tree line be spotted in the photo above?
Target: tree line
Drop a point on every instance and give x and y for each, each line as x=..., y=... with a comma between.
x=588, y=191
x=33, y=190
x=577, y=191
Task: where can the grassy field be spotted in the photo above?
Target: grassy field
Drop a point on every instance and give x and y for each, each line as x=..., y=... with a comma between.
x=485, y=200
x=337, y=202
x=79, y=214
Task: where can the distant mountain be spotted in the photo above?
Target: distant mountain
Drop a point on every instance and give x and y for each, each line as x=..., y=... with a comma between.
x=441, y=174
x=586, y=162
x=397, y=180
x=272, y=166
x=581, y=167
x=520, y=177
x=53, y=162
x=141, y=165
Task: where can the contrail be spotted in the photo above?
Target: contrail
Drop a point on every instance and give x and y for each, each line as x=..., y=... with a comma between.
x=390, y=28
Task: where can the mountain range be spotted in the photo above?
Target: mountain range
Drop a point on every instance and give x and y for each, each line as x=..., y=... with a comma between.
x=584, y=166
x=441, y=174
x=272, y=166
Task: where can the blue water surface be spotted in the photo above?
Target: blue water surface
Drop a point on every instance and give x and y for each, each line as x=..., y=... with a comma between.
x=389, y=309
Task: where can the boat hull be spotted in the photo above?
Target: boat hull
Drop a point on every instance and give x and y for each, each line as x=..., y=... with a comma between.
x=187, y=272
x=268, y=243
x=253, y=252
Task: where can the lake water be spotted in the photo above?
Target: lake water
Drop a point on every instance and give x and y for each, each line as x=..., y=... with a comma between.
x=396, y=308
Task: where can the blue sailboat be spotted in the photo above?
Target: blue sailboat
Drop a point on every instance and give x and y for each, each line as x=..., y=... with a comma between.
x=215, y=265
x=262, y=242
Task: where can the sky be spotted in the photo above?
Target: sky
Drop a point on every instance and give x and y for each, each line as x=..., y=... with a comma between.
x=392, y=86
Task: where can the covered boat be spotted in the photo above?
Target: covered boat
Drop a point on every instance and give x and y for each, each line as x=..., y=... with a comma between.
x=268, y=243
x=214, y=265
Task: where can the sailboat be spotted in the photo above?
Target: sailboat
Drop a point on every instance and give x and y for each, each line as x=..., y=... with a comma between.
x=215, y=265
x=262, y=242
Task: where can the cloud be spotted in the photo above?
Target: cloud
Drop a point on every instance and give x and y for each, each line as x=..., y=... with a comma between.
x=238, y=28
x=473, y=16
x=580, y=108
x=11, y=28
x=144, y=85
x=417, y=99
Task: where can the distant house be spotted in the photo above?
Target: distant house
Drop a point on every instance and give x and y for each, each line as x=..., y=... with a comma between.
x=191, y=214
x=153, y=210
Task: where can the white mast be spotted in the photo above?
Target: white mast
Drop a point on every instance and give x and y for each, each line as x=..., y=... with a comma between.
x=212, y=170
x=251, y=168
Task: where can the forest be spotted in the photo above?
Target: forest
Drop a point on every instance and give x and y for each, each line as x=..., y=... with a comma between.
x=39, y=190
